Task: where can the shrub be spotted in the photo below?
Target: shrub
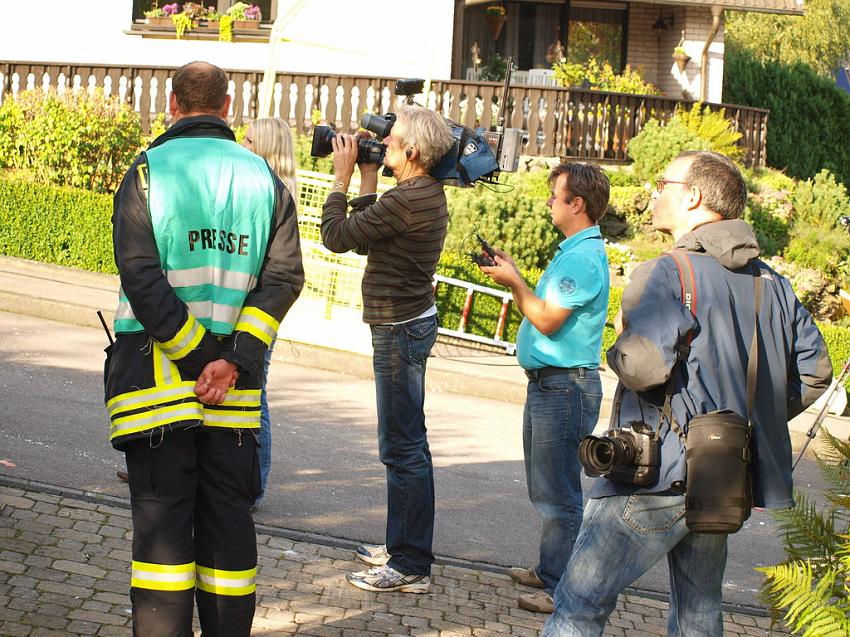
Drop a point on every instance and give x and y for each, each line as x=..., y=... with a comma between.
x=811, y=586
x=816, y=291
x=602, y=78
x=61, y=225
x=631, y=203
x=713, y=127
x=769, y=213
x=517, y=222
x=622, y=177
x=820, y=201
x=837, y=340
x=807, y=114
x=699, y=128
x=657, y=145
x=80, y=140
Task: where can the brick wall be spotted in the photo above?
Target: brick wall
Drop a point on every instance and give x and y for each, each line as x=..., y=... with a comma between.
x=651, y=49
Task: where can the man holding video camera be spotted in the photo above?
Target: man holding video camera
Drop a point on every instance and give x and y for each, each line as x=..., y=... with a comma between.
x=710, y=340
x=403, y=234
x=558, y=345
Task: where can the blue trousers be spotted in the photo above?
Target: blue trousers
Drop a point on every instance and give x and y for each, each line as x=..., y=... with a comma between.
x=559, y=411
x=400, y=354
x=264, y=437
x=621, y=538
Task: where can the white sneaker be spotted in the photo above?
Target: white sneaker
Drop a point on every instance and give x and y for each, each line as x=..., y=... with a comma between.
x=373, y=554
x=386, y=579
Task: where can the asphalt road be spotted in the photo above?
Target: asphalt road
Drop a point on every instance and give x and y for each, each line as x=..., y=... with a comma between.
x=326, y=477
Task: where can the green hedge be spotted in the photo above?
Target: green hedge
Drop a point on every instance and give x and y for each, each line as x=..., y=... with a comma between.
x=72, y=227
x=56, y=224
x=838, y=343
x=809, y=115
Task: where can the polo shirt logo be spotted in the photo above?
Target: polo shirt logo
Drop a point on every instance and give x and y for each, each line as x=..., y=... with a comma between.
x=567, y=285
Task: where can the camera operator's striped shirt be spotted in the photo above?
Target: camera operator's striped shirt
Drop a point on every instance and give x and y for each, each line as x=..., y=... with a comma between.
x=403, y=232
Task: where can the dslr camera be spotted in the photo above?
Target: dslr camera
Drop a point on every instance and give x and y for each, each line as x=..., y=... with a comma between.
x=474, y=156
x=630, y=454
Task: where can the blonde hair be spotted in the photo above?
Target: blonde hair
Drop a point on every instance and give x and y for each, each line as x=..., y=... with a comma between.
x=428, y=131
x=272, y=140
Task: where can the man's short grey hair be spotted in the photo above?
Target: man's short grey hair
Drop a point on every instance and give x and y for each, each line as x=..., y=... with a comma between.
x=720, y=182
x=427, y=130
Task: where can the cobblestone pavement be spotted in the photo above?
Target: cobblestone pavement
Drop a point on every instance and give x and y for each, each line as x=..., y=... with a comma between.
x=64, y=570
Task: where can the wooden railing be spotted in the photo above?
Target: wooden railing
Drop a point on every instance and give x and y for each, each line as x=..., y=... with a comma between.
x=561, y=122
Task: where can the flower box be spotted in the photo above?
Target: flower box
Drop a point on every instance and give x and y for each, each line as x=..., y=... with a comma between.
x=160, y=22
x=246, y=25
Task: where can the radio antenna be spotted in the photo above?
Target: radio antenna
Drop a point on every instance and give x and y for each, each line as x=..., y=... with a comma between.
x=500, y=120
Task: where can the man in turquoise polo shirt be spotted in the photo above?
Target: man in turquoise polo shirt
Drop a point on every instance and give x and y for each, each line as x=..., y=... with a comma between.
x=558, y=345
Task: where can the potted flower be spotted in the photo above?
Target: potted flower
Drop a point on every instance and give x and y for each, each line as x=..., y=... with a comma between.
x=681, y=58
x=185, y=20
x=495, y=15
x=212, y=19
x=245, y=16
x=160, y=16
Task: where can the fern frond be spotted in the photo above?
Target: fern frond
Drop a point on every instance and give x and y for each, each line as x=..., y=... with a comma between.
x=808, y=533
x=813, y=611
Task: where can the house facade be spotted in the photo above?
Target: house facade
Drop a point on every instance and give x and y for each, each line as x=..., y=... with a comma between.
x=640, y=34
x=405, y=38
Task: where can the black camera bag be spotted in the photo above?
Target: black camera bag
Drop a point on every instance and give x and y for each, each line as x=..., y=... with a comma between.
x=717, y=445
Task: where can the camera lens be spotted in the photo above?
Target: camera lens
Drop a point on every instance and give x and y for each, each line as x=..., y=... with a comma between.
x=322, y=136
x=381, y=126
x=600, y=454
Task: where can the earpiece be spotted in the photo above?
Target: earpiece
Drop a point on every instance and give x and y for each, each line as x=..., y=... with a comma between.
x=408, y=153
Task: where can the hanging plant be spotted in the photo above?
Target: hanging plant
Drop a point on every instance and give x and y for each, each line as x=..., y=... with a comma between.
x=495, y=15
x=681, y=58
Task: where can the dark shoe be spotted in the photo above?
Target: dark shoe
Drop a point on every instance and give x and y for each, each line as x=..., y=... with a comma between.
x=122, y=475
x=526, y=577
x=537, y=602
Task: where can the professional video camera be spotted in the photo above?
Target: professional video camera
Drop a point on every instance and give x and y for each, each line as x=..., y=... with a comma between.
x=630, y=454
x=476, y=155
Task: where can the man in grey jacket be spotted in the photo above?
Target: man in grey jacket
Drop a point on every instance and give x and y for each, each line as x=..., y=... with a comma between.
x=628, y=528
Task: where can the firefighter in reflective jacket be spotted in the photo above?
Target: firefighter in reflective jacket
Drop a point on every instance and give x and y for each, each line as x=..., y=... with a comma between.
x=206, y=244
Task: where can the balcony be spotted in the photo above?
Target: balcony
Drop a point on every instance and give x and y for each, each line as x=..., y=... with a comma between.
x=563, y=122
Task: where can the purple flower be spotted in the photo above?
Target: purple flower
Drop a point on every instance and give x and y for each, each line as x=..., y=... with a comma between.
x=252, y=12
x=170, y=9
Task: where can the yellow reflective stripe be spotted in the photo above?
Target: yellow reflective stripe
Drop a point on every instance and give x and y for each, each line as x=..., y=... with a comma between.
x=241, y=398
x=229, y=418
x=221, y=582
x=156, y=418
x=164, y=371
x=163, y=577
x=148, y=397
x=257, y=323
x=186, y=339
x=144, y=181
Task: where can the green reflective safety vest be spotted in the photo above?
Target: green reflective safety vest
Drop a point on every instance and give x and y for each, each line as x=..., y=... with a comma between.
x=211, y=204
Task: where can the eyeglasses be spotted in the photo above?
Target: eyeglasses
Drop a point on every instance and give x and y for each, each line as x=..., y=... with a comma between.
x=659, y=184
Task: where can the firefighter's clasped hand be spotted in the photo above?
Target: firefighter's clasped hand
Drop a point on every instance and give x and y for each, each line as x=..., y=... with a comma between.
x=212, y=384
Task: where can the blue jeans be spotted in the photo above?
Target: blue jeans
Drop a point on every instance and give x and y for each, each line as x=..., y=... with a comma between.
x=559, y=411
x=400, y=354
x=621, y=538
x=264, y=438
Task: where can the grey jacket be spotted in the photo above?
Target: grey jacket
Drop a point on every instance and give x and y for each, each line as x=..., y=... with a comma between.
x=793, y=367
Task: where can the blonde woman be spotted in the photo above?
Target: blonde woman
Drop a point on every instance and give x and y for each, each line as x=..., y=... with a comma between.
x=271, y=139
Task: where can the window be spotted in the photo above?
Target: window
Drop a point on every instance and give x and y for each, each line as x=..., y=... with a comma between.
x=596, y=32
x=268, y=8
x=532, y=30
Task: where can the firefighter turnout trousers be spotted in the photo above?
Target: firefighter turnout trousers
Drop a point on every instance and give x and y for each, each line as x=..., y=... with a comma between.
x=193, y=535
